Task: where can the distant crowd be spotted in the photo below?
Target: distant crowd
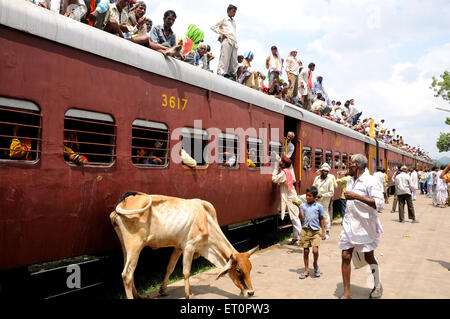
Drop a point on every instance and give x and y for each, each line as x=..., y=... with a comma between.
x=127, y=19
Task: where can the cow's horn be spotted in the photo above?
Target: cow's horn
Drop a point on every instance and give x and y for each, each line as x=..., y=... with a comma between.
x=122, y=211
x=251, y=251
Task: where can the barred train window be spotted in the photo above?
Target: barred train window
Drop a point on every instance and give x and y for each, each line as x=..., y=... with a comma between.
x=318, y=158
x=89, y=138
x=229, y=150
x=149, y=143
x=329, y=158
x=254, y=152
x=195, y=142
x=337, y=160
x=307, y=158
x=344, y=161
x=274, y=147
x=20, y=130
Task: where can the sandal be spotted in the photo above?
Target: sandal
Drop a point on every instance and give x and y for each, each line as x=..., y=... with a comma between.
x=317, y=272
x=303, y=276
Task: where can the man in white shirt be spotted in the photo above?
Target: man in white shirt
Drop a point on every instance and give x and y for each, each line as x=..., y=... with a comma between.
x=228, y=52
x=414, y=184
x=403, y=188
x=305, y=89
x=325, y=185
x=292, y=67
x=361, y=227
x=281, y=175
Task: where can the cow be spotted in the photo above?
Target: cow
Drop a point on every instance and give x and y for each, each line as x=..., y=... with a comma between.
x=188, y=225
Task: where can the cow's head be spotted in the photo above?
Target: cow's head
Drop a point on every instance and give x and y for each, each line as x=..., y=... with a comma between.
x=238, y=268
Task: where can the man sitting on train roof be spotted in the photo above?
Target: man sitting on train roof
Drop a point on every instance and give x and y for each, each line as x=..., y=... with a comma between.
x=116, y=19
x=137, y=22
x=20, y=147
x=163, y=39
x=198, y=57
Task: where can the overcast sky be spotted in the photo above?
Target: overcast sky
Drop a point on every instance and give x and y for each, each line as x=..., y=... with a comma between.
x=381, y=53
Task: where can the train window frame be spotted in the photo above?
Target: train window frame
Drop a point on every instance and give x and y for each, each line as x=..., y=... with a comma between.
x=236, y=146
x=158, y=128
x=197, y=133
x=316, y=151
x=22, y=109
x=273, y=144
x=330, y=154
x=92, y=119
x=259, y=152
x=310, y=158
x=346, y=160
x=338, y=154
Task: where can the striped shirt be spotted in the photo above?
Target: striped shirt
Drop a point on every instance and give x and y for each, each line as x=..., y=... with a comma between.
x=158, y=36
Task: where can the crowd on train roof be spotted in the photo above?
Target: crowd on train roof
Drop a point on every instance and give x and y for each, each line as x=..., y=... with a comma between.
x=127, y=19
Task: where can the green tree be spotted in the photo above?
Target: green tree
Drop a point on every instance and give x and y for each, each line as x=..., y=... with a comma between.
x=443, y=142
x=442, y=88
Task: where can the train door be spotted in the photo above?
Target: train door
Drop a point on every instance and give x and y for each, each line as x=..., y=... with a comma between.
x=293, y=125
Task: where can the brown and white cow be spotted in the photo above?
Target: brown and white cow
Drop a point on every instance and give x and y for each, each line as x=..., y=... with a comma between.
x=190, y=226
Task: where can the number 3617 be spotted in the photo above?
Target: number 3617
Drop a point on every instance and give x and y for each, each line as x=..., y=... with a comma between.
x=174, y=102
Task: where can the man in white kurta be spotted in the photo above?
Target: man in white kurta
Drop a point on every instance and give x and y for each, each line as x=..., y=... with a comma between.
x=361, y=227
x=325, y=186
x=281, y=176
x=414, y=183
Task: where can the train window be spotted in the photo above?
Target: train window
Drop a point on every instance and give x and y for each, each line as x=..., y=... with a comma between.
x=254, y=151
x=194, y=142
x=274, y=147
x=337, y=160
x=228, y=150
x=344, y=161
x=306, y=158
x=20, y=130
x=318, y=158
x=149, y=143
x=329, y=158
x=89, y=138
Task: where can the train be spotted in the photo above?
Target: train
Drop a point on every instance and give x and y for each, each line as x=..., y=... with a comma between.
x=61, y=78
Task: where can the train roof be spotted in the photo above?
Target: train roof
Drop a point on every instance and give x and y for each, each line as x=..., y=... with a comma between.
x=29, y=18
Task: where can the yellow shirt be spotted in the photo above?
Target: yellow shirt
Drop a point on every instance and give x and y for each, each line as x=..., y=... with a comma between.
x=343, y=181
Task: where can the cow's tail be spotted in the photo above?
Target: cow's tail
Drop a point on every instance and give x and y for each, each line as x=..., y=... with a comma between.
x=210, y=209
x=122, y=211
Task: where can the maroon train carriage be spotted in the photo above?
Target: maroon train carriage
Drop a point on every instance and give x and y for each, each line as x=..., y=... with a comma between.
x=65, y=83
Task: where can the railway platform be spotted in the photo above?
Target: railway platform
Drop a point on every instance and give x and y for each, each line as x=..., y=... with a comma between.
x=414, y=263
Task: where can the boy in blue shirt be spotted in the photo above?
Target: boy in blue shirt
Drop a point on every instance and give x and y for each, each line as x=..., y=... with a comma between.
x=311, y=216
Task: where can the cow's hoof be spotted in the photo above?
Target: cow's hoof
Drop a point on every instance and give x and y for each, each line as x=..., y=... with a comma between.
x=162, y=292
x=190, y=296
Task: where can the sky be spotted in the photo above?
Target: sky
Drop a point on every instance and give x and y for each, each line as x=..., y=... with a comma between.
x=383, y=54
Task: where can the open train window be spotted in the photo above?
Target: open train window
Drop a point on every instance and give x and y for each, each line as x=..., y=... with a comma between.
x=254, y=152
x=344, y=161
x=274, y=148
x=306, y=158
x=149, y=143
x=329, y=158
x=20, y=130
x=89, y=138
x=195, y=142
x=229, y=150
x=337, y=160
x=318, y=158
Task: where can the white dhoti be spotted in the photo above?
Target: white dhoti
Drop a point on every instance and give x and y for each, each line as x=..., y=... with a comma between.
x=326, y=213
x=228, y=63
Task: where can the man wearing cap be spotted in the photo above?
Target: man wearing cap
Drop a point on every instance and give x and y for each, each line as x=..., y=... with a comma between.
x=226, y=27
x=292, y=70
x=361, y=228
x=282, y=176
x=404, y=188
x=325, y=185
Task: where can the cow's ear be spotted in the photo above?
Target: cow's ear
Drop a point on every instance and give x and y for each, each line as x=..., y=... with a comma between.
x=225, y=269
x=251, y=251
